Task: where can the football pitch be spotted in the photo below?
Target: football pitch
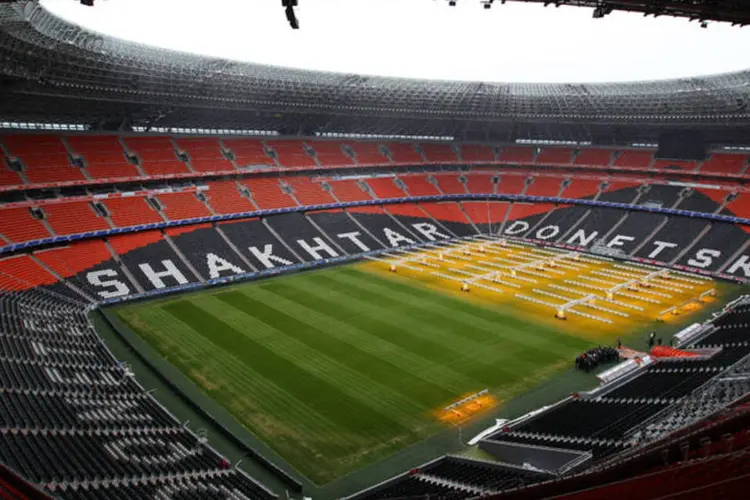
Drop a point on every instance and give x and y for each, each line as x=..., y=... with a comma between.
x=338, y=368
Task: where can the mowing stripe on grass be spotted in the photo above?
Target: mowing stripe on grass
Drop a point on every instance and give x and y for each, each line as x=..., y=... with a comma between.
x=385, y=372
x=318, y=394
x=387, y=329
x=492, y=324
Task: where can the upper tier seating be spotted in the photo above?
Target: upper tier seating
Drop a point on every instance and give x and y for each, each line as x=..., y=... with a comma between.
x=177, y=206
x=205, y=154
x=74, y=217
x=438, y=152
x=634, y=159
x=44, y=157
x=477, y=152
x=555, y=156
x=330, y=154
x=18, y=225
x=724, y=163
x=157, y=155
x=248, y=152
x=131, y=211
x=368, y=153
x=225, y=198
x=267, y=194
x=593, y=157
x=403, y=152
x=519, y=155
x=9, y=177
x=103, y=156
x=291, y=154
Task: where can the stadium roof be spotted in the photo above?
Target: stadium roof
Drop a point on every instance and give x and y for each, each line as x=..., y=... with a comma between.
x=52, y=70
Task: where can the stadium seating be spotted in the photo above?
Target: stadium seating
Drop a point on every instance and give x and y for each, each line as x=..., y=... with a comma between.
x=480, y=183
x=450, y=216
x=555, y=156
x=368, y=153
x=205, y=154
x=339, y=226
x=688, y=166
x=544, y=186
x=450, y=184
x=291, y=154
x=633, y=159
x=266, y=193
x=487, y=216
x=9, y=177
x=330, y=154
x=438, y=152
x=207, y=252
x=74, y=217
x=591, y=157
x=21, y=272
x=512, y=184
x=44, y=157
x=419, y=185
x=308, y=191
x=103, y=156
x=579, y=187
x=477, y=153
x=256, y=242
x=348, y=190
x=18, y=225
x=723, y=163
x=385, y=187
x=185, y=205
x=157, y=155
x=248, y=152
x=224, y=197
x=402, y=152
x=517, y=155
x=131, y=211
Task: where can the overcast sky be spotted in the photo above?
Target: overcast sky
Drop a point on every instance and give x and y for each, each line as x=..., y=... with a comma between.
x=515, y=42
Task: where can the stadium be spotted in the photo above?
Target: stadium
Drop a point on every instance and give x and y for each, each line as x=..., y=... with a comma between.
x=222, y=279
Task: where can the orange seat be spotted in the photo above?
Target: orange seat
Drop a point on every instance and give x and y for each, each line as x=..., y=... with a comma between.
x=74, y=258
x=205, y=154
x=593, y=157
x=267, y=193
x=544, y=186
x=291, y=154
x=330, y=154
x=477, y=152
x=131, y=211
x=103, y=155
x=402, y=152
x=348, y=190
x=368, y=153
x=449, y=184
x=18, y=225
x=438, y=152
x=480, y=183
x=45, y=158
x=555, y=156
x=634, y=159
x=21, y=272
x=178, y=206
x=248, y=152
x=511, y=184
x=225, y=198
x=520, y=155
x=725, y=163
x=157, y=155
x=74, y=217
x=385, y=187
x=309, y=192
x=419, y=185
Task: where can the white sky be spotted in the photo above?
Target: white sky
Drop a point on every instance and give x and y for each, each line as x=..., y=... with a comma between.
x=515, y=42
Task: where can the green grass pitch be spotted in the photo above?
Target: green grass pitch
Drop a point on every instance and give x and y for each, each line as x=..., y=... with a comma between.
x=336, y=369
